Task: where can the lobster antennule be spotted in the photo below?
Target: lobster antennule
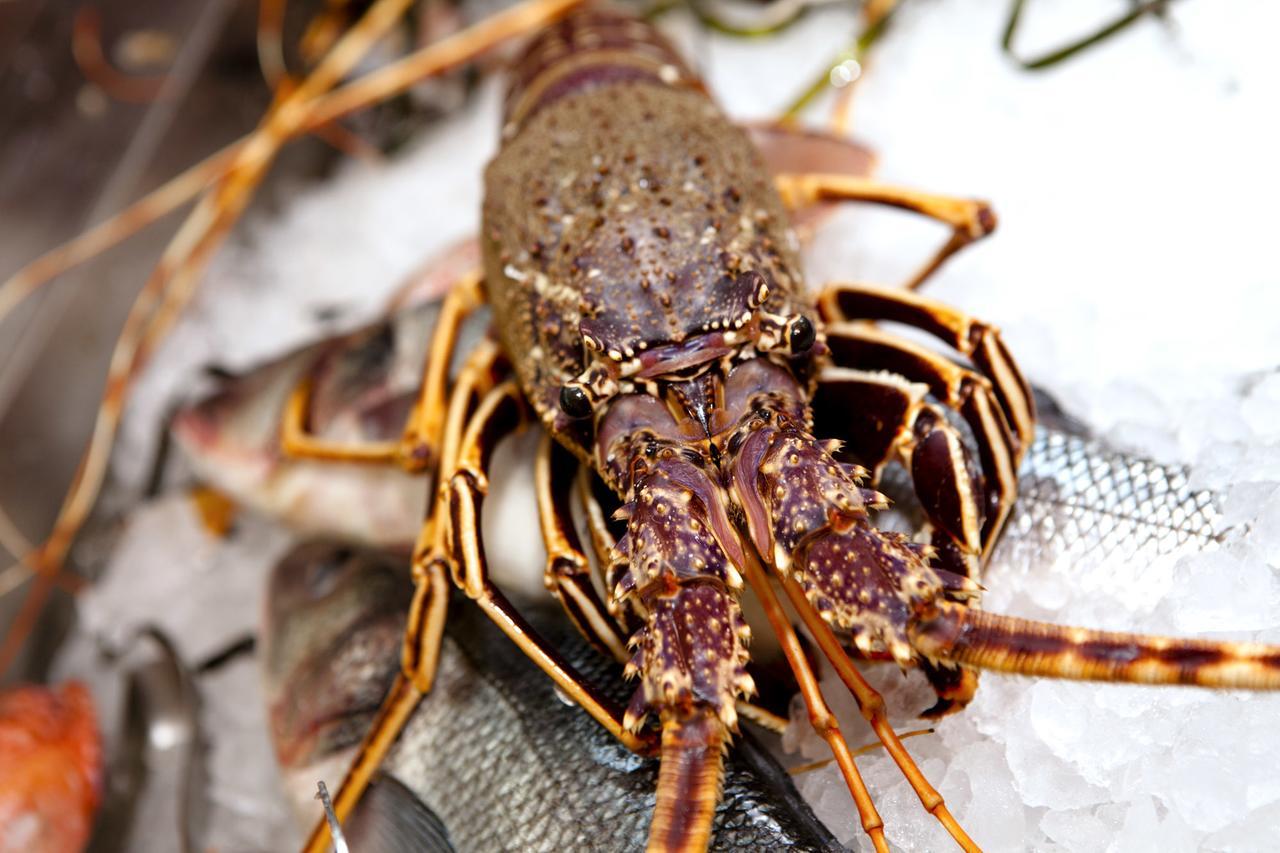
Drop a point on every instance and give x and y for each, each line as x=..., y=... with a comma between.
x=690, y=774
x=957, y=634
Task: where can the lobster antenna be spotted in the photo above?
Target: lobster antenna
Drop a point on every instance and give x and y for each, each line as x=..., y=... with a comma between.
x=958, y=634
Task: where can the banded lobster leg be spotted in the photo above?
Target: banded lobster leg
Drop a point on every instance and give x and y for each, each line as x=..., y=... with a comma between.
x=424, y=629
x=463, y=490
x=416, y=449
x=568, y=572
x=996, y=403
x=970, y=219
x=895, y=421
x=980, y=342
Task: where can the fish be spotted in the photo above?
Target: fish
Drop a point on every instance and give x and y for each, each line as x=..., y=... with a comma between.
x=364, y=384
x=50, y=768
x=492, y=758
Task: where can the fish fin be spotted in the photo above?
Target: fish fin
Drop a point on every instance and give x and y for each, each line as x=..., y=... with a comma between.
x=390, y=818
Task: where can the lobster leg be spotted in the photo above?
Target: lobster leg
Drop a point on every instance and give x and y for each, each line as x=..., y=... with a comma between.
x=425, y=626
x=897, y=422
x=417, y=445
x=970, y=219
x=464, y=490
x=568, y=572
x=594, y=496
x=959, y=389
x=974, y=339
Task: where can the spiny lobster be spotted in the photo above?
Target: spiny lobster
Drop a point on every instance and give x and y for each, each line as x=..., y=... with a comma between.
x=650, y=312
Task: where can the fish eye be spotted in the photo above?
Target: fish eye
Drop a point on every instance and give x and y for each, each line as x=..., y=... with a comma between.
x=802, y=335
x=574, y=402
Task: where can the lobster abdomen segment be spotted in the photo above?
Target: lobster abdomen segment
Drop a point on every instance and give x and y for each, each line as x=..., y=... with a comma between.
x=590, y=48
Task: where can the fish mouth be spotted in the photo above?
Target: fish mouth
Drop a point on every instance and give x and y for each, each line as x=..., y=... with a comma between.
x=320, y=735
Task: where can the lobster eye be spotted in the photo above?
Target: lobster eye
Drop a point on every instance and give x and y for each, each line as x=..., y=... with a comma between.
x=574, y=402
x=802, y=335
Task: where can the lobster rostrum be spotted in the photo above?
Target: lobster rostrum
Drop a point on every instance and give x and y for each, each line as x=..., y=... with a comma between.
x=650, y=311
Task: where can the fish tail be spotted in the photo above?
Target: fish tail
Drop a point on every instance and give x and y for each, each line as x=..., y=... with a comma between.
x=689, y=781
